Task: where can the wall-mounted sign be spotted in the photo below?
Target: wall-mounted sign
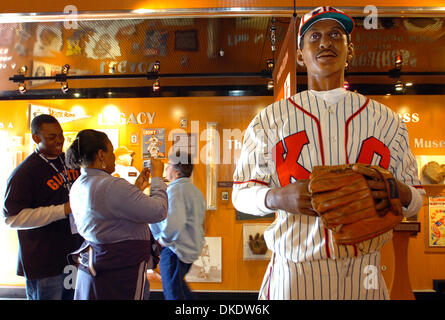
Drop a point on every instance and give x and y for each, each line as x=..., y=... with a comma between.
x=134, y=138
x=224, y=184
x=10, y=125
x=120, y=118
x=62, y=116
x=141, y=118
x=125, y=67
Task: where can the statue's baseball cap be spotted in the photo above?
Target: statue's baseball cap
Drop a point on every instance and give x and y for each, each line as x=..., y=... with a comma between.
x=324, y=13
x=122, y=150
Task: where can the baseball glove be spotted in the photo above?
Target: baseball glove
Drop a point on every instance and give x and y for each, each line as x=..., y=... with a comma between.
x=345, y=203
x=257, y=244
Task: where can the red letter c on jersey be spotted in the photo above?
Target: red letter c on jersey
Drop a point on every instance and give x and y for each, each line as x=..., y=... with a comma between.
x=371, y=146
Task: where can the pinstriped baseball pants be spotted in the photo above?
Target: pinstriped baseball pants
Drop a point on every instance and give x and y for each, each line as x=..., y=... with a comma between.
x=356, y=278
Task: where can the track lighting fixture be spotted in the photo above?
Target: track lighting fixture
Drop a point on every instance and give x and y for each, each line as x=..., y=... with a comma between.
x=22, y=84
x=399, y=86
x=156, y=86
x=23, y=70
x=62, y=78
x=398, y=62
x=22, y=88
x=270, y=85
x=64, y=87
x=65, y=69
x=157, y=66
x=270, y=64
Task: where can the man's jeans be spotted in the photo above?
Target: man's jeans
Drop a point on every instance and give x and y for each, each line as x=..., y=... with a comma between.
x=173, y=272
x=50, y=288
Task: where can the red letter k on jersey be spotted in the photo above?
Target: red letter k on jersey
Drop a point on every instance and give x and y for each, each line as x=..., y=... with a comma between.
x=286, y=160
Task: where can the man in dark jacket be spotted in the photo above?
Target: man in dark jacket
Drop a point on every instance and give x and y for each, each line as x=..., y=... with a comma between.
x=37, y=205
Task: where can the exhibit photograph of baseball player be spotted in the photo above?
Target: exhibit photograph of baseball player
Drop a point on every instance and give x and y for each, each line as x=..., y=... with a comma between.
x=336, y=168
x=153, y=146
x=124, y=165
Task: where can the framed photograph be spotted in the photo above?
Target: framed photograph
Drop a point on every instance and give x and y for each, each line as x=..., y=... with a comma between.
x=73, y=46
x=254, y=246
x=155, y=43
x=431, y=169
x=436, y=221
x=48, y=40
x=245, y=216
x=102, y=43
x=7, y=32
x=42, y=69
x=207, y=268
x=153, y=143
x=186, y=40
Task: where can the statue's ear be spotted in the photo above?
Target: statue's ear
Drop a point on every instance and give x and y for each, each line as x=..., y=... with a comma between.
x=300, y=59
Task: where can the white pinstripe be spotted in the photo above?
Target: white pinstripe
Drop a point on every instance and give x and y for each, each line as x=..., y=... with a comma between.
x=301, y=242
x=328, y=279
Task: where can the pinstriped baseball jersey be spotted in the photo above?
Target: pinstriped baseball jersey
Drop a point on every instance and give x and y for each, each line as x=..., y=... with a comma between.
x=288, y=138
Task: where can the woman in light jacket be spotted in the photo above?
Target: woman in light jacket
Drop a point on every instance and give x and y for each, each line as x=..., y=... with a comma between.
x=112, y=216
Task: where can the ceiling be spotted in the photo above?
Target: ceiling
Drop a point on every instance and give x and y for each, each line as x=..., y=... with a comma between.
x=206, y=52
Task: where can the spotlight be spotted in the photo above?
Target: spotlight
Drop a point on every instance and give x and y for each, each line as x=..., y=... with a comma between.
x=398, y=62
x=408, y=84
x=399, y=85
x=270, y=85
x=270, y=64
x=157, y=66
x=156, y=86
x=23, y=70
x=64, y=87
x=65, y=69
x=22, y=88
x=346, y=85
